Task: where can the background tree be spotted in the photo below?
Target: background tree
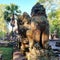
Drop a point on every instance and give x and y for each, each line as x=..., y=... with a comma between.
x=3, y=25
x=11, y=11
x=54, y=20
x=10, y=14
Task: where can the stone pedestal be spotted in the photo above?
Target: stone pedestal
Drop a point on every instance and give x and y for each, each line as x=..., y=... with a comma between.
x=38, y=53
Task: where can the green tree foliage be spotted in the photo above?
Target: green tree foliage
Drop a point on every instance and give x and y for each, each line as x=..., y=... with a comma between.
x=10, y=12
x=3, y=25
x=45, y=2
x=54, y=20
x=42, y=1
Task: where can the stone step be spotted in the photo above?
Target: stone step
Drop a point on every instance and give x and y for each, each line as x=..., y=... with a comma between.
x=1, y=57
x=18, y=56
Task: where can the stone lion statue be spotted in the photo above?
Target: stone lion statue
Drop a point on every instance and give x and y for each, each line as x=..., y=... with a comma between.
x=39, y=31
x=38, y=35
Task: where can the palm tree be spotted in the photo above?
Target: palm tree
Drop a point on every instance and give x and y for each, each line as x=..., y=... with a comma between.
x=11, y=11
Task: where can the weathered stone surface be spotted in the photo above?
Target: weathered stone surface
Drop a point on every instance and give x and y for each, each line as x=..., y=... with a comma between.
x=3, y=43
x=41, y=54
x=38, y=10
x=1, y=57
x=18, y=56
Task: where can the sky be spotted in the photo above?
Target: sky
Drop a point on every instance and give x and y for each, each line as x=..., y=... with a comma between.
x=24, y=5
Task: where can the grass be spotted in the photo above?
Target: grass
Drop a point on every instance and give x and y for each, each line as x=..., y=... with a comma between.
x=1, y=34
x=7, y=53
